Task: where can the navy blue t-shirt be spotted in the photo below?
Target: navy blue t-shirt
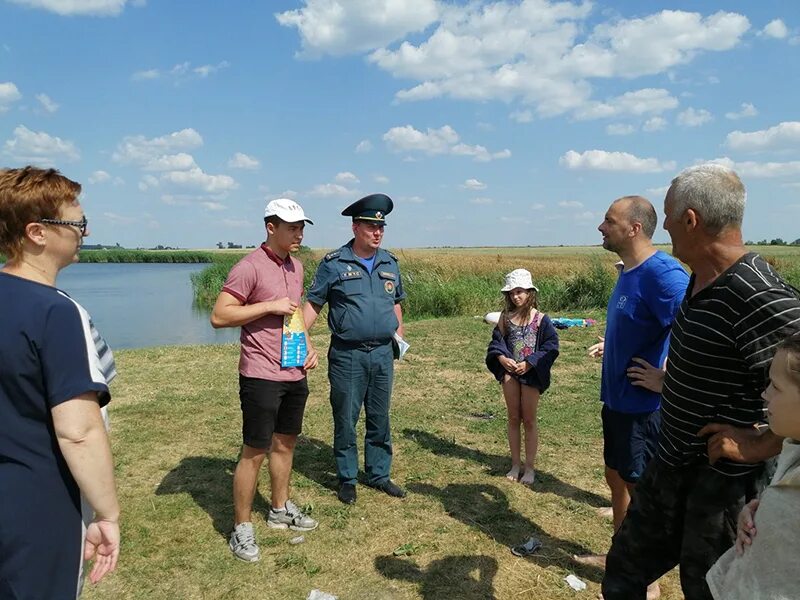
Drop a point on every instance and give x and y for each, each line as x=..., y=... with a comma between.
x=639, y=317
x=49, y=353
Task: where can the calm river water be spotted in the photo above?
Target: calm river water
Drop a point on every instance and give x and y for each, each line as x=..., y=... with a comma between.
x=140, y=305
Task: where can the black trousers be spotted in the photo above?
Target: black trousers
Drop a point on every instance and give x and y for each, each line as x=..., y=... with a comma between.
x=683, y=517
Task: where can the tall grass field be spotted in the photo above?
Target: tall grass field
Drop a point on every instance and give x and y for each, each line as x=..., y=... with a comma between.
x=448, y=282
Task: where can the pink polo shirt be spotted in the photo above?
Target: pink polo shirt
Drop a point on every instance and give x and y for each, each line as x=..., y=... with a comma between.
x=261, y=276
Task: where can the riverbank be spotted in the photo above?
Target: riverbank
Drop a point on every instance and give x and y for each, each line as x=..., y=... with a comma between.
x=175, y=428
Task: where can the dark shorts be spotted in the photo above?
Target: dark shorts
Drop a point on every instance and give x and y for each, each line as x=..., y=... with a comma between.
x=629, y=441
x=271, y=407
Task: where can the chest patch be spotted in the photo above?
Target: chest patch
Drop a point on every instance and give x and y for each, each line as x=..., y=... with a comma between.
x=388, y=285
x=387, y=275
x=347, y=275
x=621, y=302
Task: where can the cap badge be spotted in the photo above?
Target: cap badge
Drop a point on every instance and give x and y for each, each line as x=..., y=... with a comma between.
x=379, y=215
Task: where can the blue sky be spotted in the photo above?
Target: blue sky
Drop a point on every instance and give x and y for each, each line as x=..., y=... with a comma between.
x=509, y=122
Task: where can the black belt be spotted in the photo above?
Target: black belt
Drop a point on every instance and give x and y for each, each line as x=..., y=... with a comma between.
x=365, y=346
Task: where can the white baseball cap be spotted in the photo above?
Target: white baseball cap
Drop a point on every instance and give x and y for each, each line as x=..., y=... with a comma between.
x=519, y=278
x=286, y=210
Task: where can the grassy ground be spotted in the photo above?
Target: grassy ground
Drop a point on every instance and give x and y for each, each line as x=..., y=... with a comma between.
x=175, y=432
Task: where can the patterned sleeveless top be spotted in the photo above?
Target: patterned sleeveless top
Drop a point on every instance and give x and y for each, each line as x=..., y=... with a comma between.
x=521, y=339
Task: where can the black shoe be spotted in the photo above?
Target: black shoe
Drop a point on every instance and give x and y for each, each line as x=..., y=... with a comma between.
x=347, y=493
x=391, y=488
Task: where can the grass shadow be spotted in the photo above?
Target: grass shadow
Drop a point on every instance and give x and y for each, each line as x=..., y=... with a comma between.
x=497, y=465
x=485, y=508
x=313, y=459
x=449, y=577
x=209, y=481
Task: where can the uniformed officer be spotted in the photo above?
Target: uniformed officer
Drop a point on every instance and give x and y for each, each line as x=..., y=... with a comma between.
x=361, y=284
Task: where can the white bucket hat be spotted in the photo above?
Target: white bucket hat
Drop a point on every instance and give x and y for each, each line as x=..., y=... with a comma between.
x=519, y=278
x=286, y=210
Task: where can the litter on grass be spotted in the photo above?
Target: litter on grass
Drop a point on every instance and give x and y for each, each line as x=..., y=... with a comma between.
x=575, y=583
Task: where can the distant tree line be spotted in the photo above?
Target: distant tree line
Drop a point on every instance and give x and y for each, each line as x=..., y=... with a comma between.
x=774, y=242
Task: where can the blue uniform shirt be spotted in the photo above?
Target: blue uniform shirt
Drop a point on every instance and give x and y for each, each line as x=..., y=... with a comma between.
x=640, y=314
x=360, y=303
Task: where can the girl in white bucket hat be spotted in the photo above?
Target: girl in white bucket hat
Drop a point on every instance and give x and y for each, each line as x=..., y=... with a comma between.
x=523, y=348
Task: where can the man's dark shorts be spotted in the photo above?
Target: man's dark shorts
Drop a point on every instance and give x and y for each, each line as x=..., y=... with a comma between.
x=629, y=441
x=271, y=407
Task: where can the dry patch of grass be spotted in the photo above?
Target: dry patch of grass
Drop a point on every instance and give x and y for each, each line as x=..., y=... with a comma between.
x=176, y=435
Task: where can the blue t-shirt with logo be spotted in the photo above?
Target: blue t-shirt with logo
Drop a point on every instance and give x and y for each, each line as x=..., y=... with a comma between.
x=640, y=314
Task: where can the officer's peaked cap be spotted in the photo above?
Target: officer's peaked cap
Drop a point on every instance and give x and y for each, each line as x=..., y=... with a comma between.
x=372, y=208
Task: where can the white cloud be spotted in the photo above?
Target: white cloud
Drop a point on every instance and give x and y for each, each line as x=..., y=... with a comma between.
x=346, y=178
x=171, y=162
x=746, y=110
x=242, y=161
x=654, y=124
x=570, y=204
x=658, y=192
x=640, y=102
x=473, y=184
x=148, y=182
x=481, y=201
x=444, y=140
x=601, y=160
x=39, y=148
x=95, y=8
x=291, y=194
x=521, y=116
x=775, y=29
x=652, y=44
x=213, y=206
x=412, y=199
x=786, y=134
x=146, y=75
x=205, y=70
x=148, y=153
x=535, y=51
x=620, y=129
x=345, y=26
x=47, y=103
x=9, y=93
x=693, y=117
x=363, y=147
x=761, y=169
x=330, y=189
x=99, y=177
x=196, y=178
x=181, y=72
x=381, y=179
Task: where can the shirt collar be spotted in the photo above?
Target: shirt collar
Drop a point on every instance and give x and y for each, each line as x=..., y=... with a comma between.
x=272, y=256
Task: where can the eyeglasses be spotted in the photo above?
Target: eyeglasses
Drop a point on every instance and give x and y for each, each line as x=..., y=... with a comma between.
x=82, y=225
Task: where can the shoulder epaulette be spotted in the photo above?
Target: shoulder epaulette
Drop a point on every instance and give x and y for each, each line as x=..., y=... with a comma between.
x=392, y=255
x=332, y=255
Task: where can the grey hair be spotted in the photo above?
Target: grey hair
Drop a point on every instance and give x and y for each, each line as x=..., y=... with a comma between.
x=712, y=190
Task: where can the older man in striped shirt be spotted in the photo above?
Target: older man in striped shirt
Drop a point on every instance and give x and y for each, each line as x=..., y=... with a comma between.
x=713, y=443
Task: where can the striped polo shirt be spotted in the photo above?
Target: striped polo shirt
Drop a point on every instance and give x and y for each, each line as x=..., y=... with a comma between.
x=721, y=346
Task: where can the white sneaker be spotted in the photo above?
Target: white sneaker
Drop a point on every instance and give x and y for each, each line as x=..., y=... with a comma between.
x=243, y=543
x=291, y=518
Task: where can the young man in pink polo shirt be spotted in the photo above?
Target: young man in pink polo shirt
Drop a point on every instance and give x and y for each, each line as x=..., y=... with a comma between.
x=261, y=289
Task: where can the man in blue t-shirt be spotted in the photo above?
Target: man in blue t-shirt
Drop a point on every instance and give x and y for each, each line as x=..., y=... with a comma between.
x=641, y=309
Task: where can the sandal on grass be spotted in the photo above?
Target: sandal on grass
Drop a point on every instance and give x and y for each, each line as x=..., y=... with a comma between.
x=528, y=548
